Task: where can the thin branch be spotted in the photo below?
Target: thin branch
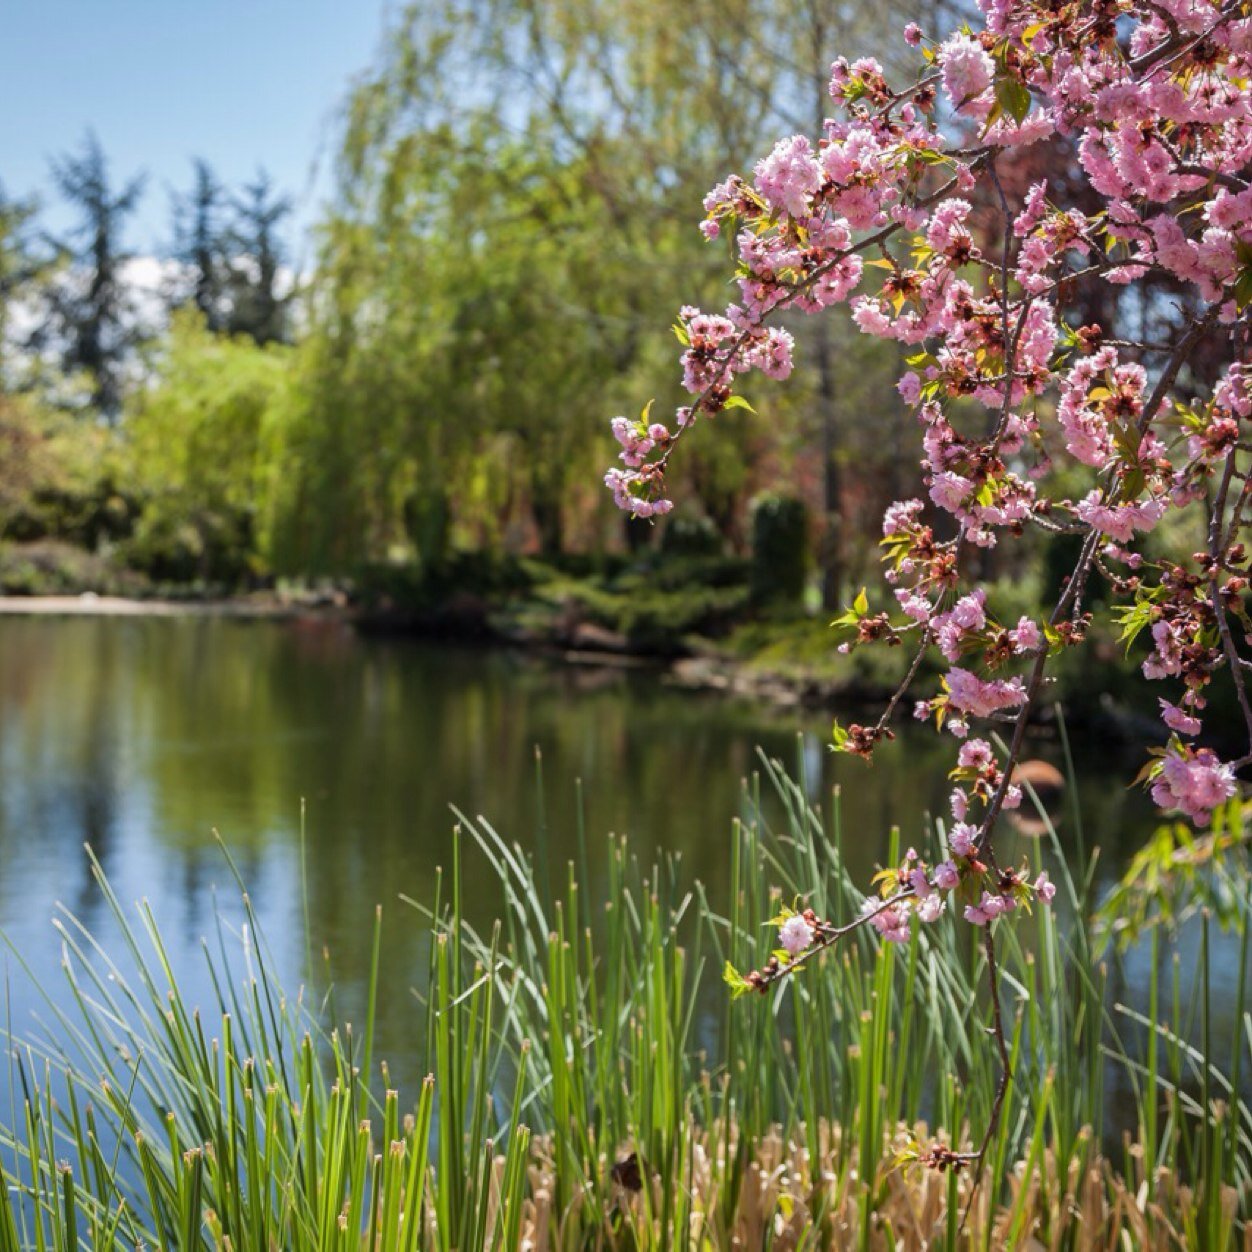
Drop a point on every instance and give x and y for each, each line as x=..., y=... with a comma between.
x=979, y=1158
x=1033, y=684
x=1171, y=49
x=828, y=936
x=1072, y=594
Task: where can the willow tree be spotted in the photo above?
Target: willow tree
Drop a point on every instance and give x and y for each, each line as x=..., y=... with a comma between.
x=19, y=265
x=512, y=218
x=681, y=83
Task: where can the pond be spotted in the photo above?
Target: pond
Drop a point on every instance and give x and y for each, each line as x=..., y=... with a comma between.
x=330, y=759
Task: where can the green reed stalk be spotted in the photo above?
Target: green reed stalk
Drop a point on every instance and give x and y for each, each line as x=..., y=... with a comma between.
x=586, y=1079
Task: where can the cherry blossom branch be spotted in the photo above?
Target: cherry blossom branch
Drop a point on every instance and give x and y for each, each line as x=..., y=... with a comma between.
x=1172, y=49
x=1167, y=166
x=902, y=97
x=1169, y=375
x=1070, y=597
x=901, y=690
x=979, y=1158
x=788, y=296
x=827, y=936
x=1033, y=685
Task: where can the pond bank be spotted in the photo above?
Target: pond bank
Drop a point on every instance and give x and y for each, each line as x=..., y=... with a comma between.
x=583, y=643
x=783, y=674
x=91, y=605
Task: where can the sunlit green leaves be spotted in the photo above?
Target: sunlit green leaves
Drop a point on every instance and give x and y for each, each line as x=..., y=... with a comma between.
x=1012, y=96
x=738, y=984
x=1177, y=873
x=1134, y=618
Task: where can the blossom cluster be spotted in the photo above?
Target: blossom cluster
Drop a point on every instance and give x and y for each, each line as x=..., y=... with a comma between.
x=911, y=890
x=1194, y=781
x=877, y=214
x=914, y=889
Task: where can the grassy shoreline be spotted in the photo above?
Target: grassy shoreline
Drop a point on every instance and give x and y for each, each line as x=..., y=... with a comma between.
x=592, y=1086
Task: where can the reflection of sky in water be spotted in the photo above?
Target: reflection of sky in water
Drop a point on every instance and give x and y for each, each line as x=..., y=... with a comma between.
x=143, y=736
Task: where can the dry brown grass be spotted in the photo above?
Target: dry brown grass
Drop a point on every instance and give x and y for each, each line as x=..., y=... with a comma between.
x=785, y=1203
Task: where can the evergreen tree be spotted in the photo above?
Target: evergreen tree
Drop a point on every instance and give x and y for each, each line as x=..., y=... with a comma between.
x=257, y=308
x=92, y=315
x=199, y=246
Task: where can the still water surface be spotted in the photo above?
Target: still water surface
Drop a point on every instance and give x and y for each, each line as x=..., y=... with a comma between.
x=141, y=737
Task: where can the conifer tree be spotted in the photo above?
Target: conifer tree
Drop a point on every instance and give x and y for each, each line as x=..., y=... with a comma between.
x=92, y=316
x=199, y=245
x=258, y=309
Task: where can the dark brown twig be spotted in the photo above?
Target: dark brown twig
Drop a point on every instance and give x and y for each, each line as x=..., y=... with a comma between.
x=978, y=1159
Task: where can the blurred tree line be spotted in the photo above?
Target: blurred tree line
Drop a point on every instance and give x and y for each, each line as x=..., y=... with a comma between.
x=513, y=227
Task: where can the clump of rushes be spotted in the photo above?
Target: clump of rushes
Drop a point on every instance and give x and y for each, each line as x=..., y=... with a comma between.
x=588, y=1087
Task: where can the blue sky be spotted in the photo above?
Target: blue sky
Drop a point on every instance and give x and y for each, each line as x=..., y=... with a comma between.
x=242, y=83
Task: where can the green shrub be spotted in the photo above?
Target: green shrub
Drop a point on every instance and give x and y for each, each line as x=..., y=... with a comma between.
x=192, y=545
x=691, y=535
x=657, y=603
x=416, y=587
x=61, y=478
x=780, y=549
x=51, y=567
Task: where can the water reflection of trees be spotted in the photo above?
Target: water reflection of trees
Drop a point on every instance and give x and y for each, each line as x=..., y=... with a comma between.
x=142, y=736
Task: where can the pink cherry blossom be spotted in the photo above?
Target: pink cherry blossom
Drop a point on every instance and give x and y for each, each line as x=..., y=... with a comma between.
x=1194, y=781
x=987, y=909
x=958, y=802
x=795, y=935
x=967, y=70
x=892, y=922
x=971, y=694
x=789, y=176
x=1176, y=719
x=961, y=839
x=1026, y=636
x=975, y=754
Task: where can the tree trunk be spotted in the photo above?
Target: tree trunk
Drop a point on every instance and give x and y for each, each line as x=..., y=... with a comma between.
x=830, y=555
x=549, y=522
